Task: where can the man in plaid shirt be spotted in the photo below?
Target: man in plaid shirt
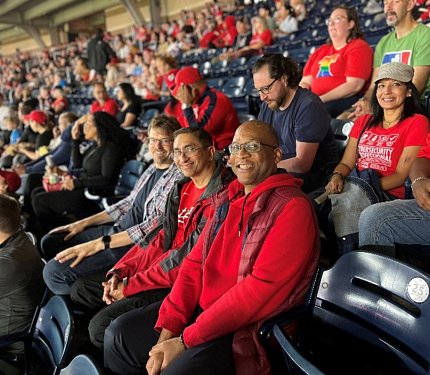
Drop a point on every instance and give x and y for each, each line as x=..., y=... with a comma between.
x=124, y=223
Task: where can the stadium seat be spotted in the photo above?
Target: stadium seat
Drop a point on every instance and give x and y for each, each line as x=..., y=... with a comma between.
x=82, y=364
x=146, y=116
x=341, y=129
x=48, y=342
x=368, y=314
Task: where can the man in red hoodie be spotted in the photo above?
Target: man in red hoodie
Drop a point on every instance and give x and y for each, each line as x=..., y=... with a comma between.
x=253, y=260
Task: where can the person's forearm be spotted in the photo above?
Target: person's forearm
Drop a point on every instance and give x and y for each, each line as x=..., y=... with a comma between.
x=165, y=334
x=392, y=181
x=120, y=239
x=295, y=165
x=97, y=219
x=420, y=168
x=345, y=90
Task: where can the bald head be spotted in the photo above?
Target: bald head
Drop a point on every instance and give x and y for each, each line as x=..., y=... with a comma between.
x=258, y=153
x=263, y=132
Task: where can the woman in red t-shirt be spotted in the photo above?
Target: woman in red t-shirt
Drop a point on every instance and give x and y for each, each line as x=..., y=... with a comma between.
x=338, y=71
x=261, y=37
x=383, y=146
x=387, y=141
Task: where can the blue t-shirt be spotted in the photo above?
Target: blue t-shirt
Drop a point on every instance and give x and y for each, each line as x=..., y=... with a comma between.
x=305, y=120
x=15, y=136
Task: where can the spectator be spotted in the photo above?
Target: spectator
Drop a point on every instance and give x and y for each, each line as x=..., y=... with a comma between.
x=264, y=12
x=99, y=53
x=299, y=118
x=299, y=9
x=407, y=43
x=131, y=106
x=102, y=101
x=45, y=99
x=12, y=133
x=82, y=71
x=21, y=283
x=40, y=125
x=100, y=164
x=203, y=107
x=5, y=111
x=60, y=103
x=261, y=37
x=232, y=280
x=242, y=40
x=338, y=71
x=287, y=22
x=384, y=143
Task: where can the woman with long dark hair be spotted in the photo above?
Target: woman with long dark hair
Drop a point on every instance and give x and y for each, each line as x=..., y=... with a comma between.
x=96, y=164
x=131, y=106
x=385, y=143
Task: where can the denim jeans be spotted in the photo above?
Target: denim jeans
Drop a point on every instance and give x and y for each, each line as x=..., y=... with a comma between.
x=59, y=277
x=395, y=222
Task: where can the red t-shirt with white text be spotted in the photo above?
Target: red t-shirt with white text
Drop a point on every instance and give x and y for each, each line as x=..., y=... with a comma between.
x=380, y=149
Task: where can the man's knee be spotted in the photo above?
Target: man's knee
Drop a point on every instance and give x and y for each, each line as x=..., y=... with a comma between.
x=57, y=277
x=97, y=328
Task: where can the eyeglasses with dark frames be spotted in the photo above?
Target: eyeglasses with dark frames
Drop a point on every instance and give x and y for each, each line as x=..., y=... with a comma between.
x=266, y=89
x=187, y=151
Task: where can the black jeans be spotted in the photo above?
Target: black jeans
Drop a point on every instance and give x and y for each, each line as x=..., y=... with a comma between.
x=87, y=292
x=129, y=339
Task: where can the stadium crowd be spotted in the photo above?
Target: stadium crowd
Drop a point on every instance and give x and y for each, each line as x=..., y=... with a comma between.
x=188, y=248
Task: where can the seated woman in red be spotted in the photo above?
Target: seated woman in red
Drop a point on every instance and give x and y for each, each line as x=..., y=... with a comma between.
x=383, y=144
x=338, y=71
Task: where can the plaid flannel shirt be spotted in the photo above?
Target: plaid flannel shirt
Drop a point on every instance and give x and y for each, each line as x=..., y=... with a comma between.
x=154, y=205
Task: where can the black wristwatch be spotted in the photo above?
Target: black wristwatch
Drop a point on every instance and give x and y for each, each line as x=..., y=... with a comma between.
x=106, y=240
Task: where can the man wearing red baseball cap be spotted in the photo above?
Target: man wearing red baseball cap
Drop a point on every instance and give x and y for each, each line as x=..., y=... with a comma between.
x=203, y=107
x=9, y=182
x=39, y=124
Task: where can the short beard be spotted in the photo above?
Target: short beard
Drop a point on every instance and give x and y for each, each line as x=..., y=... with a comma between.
x=392, y=22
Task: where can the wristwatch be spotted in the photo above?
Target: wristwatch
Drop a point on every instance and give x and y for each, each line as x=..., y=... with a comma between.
x=106, y=240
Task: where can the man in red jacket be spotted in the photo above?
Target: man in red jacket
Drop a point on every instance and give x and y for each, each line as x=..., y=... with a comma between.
x=203, y=107
x=147, y=271
x=253, y=260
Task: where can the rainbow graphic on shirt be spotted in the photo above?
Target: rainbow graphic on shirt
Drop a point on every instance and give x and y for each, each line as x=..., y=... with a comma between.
x=325, y=64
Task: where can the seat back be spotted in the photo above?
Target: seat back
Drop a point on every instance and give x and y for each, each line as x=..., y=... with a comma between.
x=130, y=173
x=80, y=365
x=368, y=314
x=53, y=334
x=341, y=129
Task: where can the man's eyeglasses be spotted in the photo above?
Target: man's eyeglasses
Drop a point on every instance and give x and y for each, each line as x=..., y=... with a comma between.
x=266, y=89
x=163, y=141
x=250, y=147
x=336, y=20
x=187, y=151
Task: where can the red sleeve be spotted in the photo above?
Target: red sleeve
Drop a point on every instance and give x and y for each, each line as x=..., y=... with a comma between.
x=275, y=276
x=359, y=60
x=180, y=305
x=94, y=106
x=417, y=131
x=425, y=150
x=358, y=126
x=131, y=262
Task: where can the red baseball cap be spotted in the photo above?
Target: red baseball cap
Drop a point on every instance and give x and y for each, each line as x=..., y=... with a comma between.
x=37, y=116
x=169, y=78
x=13, y=181
x=186, y=76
